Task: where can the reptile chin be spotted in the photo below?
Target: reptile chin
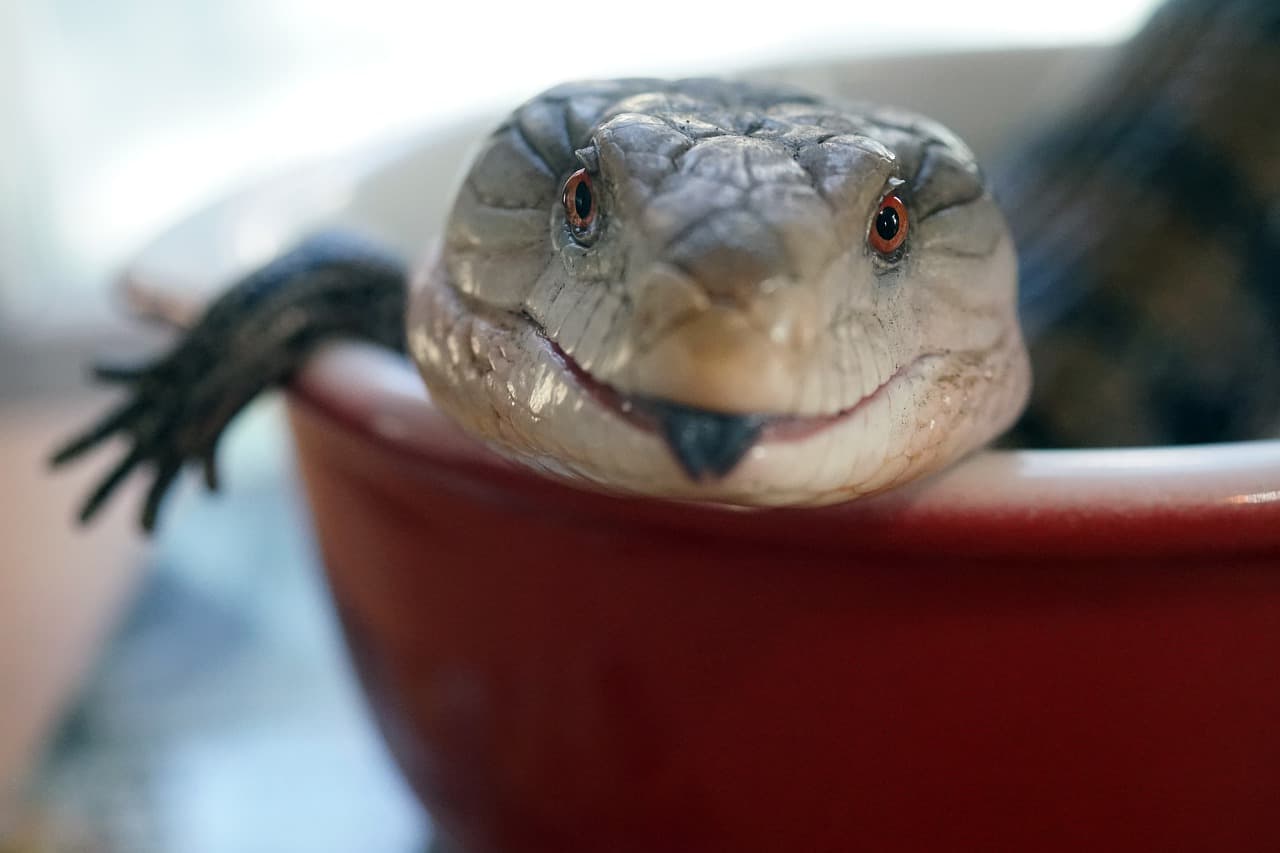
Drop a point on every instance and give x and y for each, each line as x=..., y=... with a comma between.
x=709, y=444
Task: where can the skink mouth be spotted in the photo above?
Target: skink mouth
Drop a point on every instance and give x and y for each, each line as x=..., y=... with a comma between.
x=706, y=444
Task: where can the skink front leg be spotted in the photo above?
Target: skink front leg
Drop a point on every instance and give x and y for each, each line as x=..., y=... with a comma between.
x=252, y=338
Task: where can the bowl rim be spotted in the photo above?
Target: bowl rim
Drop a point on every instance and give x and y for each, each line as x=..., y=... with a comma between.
x=1141, y=503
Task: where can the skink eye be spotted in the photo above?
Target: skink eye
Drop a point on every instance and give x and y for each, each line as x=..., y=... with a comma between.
x=889, y=228
x=579, y=202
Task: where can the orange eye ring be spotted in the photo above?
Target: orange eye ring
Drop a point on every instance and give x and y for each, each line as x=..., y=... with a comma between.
x=889, y=227
x=579, y=201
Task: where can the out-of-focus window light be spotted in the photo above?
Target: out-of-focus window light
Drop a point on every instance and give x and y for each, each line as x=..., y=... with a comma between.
x=118, y=117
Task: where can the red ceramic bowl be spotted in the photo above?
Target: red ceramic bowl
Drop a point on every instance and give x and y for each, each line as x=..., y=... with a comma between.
x=1032, y=651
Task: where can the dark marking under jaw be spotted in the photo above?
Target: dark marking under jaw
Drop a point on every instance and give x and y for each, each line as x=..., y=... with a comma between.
x=706, y=444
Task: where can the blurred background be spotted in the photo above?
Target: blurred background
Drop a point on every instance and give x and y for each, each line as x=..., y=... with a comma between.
x=178, y=695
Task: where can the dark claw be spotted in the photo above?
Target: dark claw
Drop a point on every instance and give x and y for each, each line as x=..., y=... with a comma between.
x=210, y=463
x=144, y=420
x=109, y=484
x=98, y=433
x=165, y=475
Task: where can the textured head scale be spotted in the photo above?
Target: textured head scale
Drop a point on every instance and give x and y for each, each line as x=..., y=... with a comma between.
x=727, y=283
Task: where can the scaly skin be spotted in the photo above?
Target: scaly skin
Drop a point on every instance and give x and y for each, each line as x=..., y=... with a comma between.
x=1148, y=228
x=730, y=272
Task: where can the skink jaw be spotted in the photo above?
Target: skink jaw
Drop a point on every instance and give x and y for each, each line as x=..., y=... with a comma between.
x=708, y=445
